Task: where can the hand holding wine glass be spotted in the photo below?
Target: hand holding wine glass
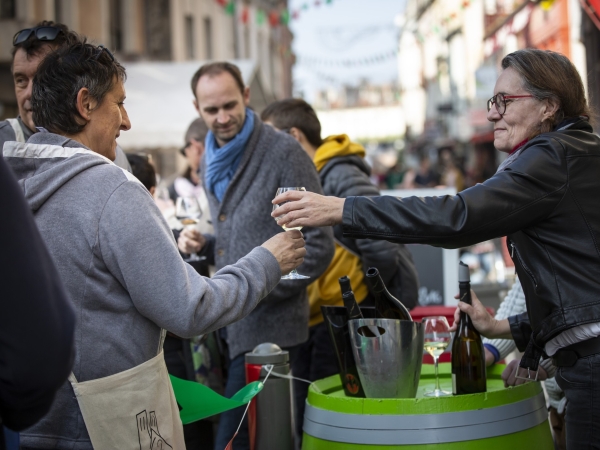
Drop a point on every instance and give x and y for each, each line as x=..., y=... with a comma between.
x=288, y=249
x=437, y=339
x=188, y=211
x=293, y=275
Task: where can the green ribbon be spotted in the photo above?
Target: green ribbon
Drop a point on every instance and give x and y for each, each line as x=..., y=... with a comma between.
x=199, y=402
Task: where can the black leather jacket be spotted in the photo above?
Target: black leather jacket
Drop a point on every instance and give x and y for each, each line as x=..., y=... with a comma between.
x=546, y=202
x=345, y=176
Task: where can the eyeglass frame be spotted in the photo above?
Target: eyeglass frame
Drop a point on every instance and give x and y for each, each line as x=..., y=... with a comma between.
x=493, y=101
x=35, y=30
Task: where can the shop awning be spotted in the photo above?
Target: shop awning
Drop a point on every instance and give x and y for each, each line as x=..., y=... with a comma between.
x=159, y=101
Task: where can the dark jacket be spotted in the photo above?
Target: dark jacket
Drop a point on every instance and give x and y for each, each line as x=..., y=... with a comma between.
x=546, y=201
x=346, y=176
x=36, y=318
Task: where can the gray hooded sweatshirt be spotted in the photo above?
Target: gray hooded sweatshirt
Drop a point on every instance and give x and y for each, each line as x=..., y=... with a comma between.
x=124, y=275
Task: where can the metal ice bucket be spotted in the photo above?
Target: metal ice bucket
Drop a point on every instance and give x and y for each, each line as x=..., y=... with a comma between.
x=388, y=365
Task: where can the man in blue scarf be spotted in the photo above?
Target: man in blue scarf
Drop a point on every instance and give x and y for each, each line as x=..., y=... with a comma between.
x=244, y=164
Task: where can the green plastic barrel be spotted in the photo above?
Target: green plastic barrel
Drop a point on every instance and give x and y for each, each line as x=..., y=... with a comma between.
x=500, y=419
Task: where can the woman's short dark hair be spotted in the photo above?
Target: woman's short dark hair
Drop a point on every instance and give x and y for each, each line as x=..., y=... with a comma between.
x=550, y=75
x=294, y=112
x=60, y=77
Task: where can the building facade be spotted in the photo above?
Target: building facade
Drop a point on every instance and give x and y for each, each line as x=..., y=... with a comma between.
x=161, y=30
x=449, y=59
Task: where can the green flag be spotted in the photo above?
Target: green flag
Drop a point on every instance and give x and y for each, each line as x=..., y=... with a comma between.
x=198, y=401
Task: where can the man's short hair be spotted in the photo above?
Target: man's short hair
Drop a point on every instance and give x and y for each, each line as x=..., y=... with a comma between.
x=142, y=170
x=60, y=77
x=34, y=46
x=197, y=131
x=294, y=112
x=217, y=68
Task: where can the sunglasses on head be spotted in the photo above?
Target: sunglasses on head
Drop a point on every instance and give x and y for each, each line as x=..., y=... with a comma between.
x=102, y=48
x=45, y=33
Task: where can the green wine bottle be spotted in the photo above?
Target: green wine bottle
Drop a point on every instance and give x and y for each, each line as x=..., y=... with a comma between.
x=349, y=300
x=386, y=305
x=468, y=356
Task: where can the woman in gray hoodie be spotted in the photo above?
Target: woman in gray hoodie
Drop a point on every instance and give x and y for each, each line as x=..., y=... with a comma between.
x=113, y=249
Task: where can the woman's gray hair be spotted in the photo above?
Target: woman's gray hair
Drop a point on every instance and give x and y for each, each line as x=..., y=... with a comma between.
x=60, y=77
x=550, y=75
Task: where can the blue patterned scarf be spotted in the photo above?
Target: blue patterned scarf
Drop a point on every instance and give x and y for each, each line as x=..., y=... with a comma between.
x=222, y=162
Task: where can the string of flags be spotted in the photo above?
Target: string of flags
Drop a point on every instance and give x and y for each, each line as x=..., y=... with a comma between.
x=369, y=60
x=437, y=28
x=275, y=17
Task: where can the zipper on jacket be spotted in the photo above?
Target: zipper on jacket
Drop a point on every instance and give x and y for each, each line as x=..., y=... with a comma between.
x=525, y=268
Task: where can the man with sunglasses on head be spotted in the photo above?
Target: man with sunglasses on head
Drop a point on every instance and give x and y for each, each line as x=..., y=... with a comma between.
x=30, y=47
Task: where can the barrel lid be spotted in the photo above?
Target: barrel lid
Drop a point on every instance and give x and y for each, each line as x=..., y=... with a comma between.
x=267, y=353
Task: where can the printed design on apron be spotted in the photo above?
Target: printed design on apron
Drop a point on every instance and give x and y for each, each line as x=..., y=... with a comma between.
x=148, y=434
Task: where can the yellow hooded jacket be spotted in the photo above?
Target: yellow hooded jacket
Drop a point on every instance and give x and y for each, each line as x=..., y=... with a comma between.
x=326, y=289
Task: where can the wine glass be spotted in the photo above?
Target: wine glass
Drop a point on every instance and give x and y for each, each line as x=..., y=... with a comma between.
x=188, y=211
x=293, y=275
x=437, y=338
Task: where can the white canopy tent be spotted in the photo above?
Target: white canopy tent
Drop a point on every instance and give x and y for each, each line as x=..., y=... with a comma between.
x=159, y=101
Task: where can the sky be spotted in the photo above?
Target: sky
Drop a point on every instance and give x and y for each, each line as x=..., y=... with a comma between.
x=343, y=30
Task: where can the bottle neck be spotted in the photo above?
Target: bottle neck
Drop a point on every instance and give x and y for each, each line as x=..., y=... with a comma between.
x=465, y=292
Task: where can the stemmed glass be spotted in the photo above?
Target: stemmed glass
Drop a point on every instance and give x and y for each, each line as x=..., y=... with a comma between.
x=188, y=211
x=293, y=275
x=437, y=338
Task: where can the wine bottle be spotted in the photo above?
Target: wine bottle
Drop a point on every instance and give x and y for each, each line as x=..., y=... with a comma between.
x=349, y=300
x=468, y=356
x=386, y=305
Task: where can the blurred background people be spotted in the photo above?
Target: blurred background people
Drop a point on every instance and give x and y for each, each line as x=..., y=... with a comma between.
x=143, y=170
x=245, y=163
x=343, y=172
x=450, y=173
x=115, y=253
x=425, y=176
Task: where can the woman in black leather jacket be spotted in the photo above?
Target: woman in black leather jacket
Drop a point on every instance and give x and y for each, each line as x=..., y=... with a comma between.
x=544, y=197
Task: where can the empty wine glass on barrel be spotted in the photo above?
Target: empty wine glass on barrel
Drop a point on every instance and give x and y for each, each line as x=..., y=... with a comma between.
x=437, y=339
x=293, y=275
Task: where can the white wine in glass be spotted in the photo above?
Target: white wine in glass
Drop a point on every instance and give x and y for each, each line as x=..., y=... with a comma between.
x=188, y=211
x=437, y=339
x=293, y=275
x=435, y=349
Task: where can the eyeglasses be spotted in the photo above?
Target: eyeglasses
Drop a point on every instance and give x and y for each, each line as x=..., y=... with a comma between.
x=102, y=48
x=500, y=101
x=45, y=33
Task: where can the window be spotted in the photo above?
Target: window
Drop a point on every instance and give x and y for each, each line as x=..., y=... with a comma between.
x=158, y=29
x=189, y=37
x=58, y=11
x=8, y=9
x=116, y=25
x=208, y=38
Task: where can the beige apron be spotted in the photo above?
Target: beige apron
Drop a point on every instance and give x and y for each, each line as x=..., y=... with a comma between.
x=132, y=410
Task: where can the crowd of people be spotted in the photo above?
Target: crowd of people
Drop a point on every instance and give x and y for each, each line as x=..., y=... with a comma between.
x=101, y=296
x=128, y=307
